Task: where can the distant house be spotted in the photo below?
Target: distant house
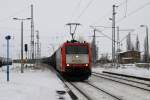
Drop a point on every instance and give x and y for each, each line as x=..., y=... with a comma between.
x=129, y=57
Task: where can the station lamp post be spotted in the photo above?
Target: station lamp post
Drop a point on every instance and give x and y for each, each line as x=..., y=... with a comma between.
x=147, y=43
x=8, y=37
x=22, y=20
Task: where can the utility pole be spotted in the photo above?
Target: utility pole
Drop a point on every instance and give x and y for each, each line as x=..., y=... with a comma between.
x=118, y=39
x=94, y=51
x=35, y=51
x=94, y=46
x=113, y=36
x=118, y=47
x=32, y=34
x=22, y=64
x=38, y=44
x=147, y=45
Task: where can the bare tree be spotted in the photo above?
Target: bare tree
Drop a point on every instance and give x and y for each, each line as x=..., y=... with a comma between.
x=145, y=50
x=137, y=44
x=94, y=51
x=129, y=44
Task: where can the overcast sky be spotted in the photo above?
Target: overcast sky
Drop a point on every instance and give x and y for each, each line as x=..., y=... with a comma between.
x=50, y=17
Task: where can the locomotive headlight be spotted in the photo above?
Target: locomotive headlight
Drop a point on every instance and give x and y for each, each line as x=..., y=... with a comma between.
x=77, y=56
x=86, y=64
x=68, y=65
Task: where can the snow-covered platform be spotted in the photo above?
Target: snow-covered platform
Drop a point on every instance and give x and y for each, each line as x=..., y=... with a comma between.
x=129, y=69
x=33, y=84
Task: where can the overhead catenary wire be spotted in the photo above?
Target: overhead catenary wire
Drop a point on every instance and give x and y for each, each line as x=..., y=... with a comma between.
x=109, y=12
x=13, y=28
x=102, y=33
x=133, y=12
x=84, y=10
x=75, y=9
x=122, y=3
x=126, y=8
x=90, y=2
x=101, y=18
x=14, y=14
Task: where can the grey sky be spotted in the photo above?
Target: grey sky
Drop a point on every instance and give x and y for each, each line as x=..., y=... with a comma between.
x=50, y=17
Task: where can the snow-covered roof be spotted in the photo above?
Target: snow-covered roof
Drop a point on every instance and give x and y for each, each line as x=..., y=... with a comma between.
x=127, y=58
x=129, y=51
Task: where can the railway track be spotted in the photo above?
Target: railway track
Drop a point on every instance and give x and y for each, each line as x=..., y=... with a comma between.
x=89, y=90
x=96, y=89
x=76, y=91
x=86, y=89
x=125, y=81
x=100, y=89
x=81, y=91
x=124, y=89
x=129, y=76
x=130, y=79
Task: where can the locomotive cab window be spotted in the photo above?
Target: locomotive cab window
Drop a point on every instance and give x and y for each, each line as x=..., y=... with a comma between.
x=76, y=50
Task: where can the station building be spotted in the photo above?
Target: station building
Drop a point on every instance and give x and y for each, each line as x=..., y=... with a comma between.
x=129, y=57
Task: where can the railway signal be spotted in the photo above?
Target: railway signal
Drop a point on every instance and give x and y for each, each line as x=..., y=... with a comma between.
x=26, y=50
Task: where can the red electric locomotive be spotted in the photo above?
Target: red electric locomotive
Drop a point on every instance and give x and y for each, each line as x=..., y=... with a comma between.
x=73, y=60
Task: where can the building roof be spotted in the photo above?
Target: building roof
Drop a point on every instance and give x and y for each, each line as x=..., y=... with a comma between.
x=127, y=58
x=129, y=51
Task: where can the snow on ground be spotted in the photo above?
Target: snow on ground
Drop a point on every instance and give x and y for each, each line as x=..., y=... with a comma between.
x=39, y=84
x=129, y=69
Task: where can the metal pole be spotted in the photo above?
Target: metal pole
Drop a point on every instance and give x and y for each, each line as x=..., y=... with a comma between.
x=7, y=60
x=32, y=34
x=94, y=47
x=38, y=43
x=7, y=38
x=113, y=36
x=118, y=47
x=35, y=51
x=147, y=45
x=22, y=65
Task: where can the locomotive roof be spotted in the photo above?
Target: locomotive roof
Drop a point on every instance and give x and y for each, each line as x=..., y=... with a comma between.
x=75, y=42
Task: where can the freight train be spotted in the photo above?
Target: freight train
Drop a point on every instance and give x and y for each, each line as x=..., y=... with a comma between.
x=73, y=60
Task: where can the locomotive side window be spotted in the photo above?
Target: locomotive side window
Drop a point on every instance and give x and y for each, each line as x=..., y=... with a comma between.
x=76, y=50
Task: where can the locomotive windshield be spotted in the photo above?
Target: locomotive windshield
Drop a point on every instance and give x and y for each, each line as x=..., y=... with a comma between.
x=76, y=50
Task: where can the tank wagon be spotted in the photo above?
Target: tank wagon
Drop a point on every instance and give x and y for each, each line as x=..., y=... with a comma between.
x=73, y=60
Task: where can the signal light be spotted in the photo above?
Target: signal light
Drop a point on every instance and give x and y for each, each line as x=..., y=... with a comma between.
x=26, y=47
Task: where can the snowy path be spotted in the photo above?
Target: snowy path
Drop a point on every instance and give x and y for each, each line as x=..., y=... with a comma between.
x=31, y=85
